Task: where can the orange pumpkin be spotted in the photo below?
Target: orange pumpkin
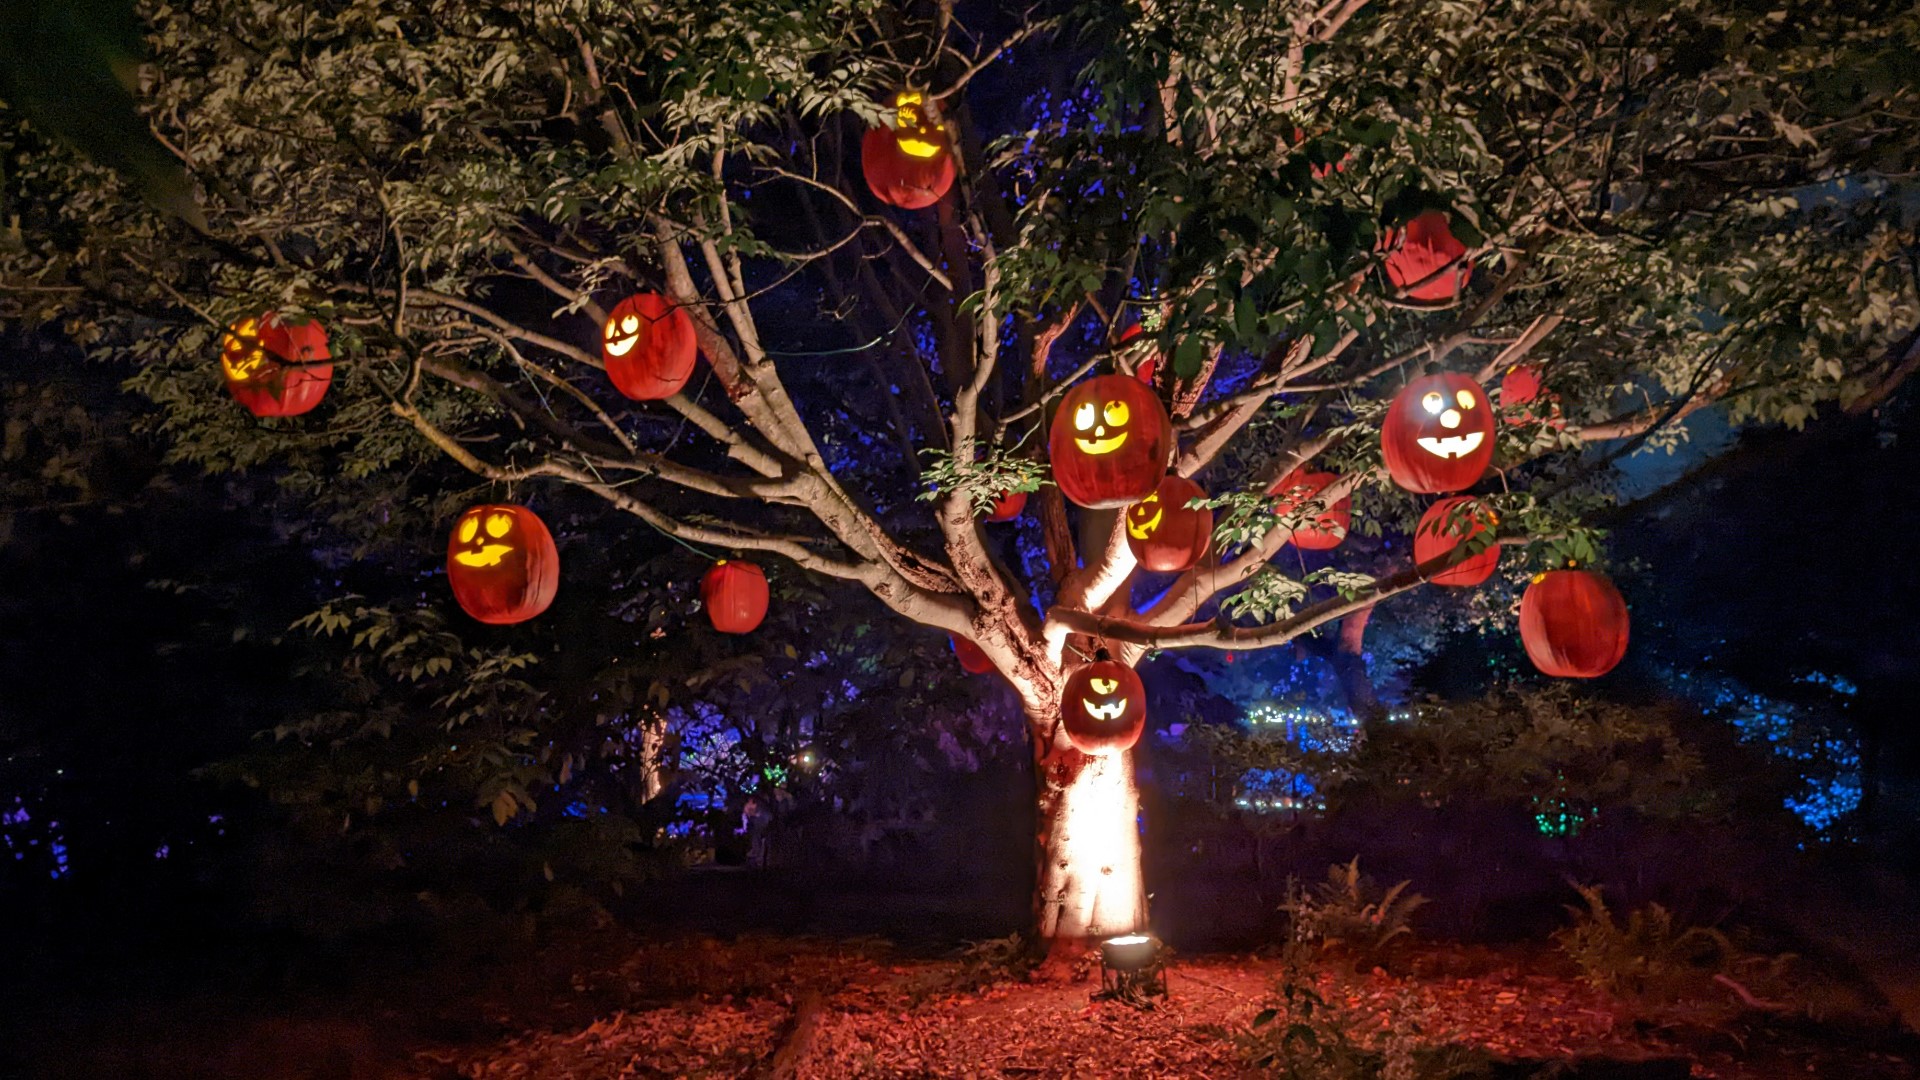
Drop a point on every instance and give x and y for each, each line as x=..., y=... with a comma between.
x=1443, y=528
x=1438, y=434
x=973, y=659
x=909, y=165
x=1573, y=623
x=1110, y=442
x=1008, y=506
x=502, y=563
x=735, y=596
x=1165, y=536
x=1424, y=260
x=274, y=366
x=1103, y=707
x=648, y=346
x=1329, y=527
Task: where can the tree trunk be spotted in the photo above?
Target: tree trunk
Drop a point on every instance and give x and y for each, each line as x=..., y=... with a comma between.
x=1087, y=834
x=1350, y=666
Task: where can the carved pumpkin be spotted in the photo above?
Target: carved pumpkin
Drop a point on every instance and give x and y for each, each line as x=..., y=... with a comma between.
x=735, y=596
x=1573, y=623
x=1443, y=528
x=502, y=563
x=648, y=346
x=1438, y=434
x=1103, y=707
x=1164, y=535
x=1519, y=385
x=1008, y=506
x=1328, y=528
x=271, y=367
x=909, y=165
x=1424, y=259
x=1110, y=442
x=973, y=659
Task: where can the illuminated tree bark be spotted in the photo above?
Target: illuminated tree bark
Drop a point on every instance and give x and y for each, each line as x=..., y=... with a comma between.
x=1090, y=885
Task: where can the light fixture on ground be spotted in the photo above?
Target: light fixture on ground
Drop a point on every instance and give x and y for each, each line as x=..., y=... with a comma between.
x=1131, y=969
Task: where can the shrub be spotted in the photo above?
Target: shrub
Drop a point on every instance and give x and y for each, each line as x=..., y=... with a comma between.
x=1349, y=910
x=1647, y=956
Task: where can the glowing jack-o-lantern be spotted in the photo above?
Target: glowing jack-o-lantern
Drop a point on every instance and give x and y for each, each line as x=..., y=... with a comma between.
x=1524, y=398
x=1165, y=536
x=276, y=367
x=1573, y=623
x=1327, y=528
x=1438, y=434
x=648, y=346
x=1446, y=525
x=909, y=165
x=1103, y=707
x=973, y=659
x=1110, y=442
x=1008, y=506
x=1424, y=260
x=502, y=563
x=735, y=596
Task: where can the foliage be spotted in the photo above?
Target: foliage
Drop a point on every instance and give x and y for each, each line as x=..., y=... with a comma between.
x=1518, y=745
x=983, y=483
x=1350, y=911
x=996, y=960
x=1299, y=1034
x=1670, y=207
x=1647, y=956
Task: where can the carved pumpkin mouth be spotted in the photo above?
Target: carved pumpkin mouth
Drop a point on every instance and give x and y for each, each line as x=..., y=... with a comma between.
x=1097, y=447
x=487, y=555
x=1112, y=710
x=1141, y=530
x=629, y=331
x=1452, y=446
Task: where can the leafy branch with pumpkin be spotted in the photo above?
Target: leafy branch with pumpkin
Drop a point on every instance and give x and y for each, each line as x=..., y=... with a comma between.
x=760, y=276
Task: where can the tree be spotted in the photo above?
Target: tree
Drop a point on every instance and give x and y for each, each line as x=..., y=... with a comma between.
x=1667, y=208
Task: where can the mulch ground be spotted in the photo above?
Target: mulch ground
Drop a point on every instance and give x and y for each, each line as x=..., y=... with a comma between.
x=771, y=1007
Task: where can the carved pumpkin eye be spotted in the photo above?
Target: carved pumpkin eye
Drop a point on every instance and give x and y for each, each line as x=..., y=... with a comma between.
x=469, y=529
x=630, y=324
x=1118, y=414
x=1083, y=417
x=499, y=525
x=1465, y=398
x=1433, y=403
x=1104, y=686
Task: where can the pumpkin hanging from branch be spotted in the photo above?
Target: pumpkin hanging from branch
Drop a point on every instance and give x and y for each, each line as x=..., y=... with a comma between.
x=1110, y=442
x=735, y=596
x=274, y=366
x=1438, y=434
x=1008, y=506
x=1325, y=530
x=973, y=659
x=1103, y=707
x=502, y=563
x=1425, y=260
x=1165, y=536
x=1573, y=623
x=648, y=346
x=1446, y=525
x=909, y=165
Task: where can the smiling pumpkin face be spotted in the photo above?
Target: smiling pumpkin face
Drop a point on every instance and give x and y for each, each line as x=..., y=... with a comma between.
x=1110, y=442
x=1165, y=536
x=648, y=346
x=1438, y=434
x=1103, y=707
x=909, y=165
x=502, y=563
x=276, y=367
